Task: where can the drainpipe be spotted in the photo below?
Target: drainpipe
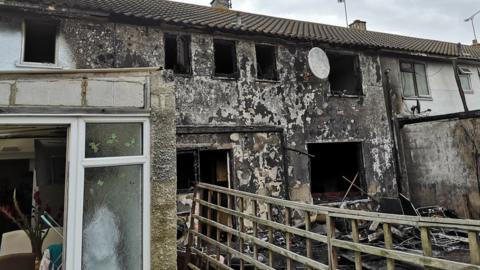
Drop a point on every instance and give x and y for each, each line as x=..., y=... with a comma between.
x=285, y=164
x=402, y=181
x=457, y=77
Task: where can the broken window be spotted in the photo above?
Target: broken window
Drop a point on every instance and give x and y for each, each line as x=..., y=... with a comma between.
x=177, y=53
x=345, y=77
x=39, y=42
x=329, y=164
x=206, y=166
x=465, y=79
x=225, y=58
x=414, y=79
x=266, y=62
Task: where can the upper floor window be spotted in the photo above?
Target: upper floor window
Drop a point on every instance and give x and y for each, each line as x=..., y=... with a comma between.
x=465, y=78
x=345, y=76
x=177, y=53
x=39, y=42
x=225, y=54
x=266, y=62
x=414, y=79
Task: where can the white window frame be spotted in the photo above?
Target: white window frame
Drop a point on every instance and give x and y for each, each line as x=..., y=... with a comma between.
x=466, y=72
x=85, y=163
x=417, y=95
x=75, y=181
x=23, y=63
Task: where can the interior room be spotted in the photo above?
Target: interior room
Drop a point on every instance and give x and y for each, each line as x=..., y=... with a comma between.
x=332, y=166
x=32, y=194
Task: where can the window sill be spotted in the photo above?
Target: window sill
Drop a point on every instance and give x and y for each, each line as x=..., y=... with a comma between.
x=266, y=81
x=224, y=78
x=418, y=98
x=469, y=92
x=38, y=65
x=345, y=96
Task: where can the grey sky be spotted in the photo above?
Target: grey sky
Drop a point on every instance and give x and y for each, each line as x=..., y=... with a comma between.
x=433, y=19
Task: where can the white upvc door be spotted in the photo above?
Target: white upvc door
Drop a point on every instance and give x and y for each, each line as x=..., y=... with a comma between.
x=108, y=182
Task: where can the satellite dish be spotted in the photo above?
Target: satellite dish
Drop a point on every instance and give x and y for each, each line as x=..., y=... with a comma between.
x=318, y=63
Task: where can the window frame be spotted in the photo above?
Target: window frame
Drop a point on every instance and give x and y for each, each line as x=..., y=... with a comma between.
x=357, y=72
x=85, y=163
x=236, y=72
x=275, y=62
x=178, y=36
x=415, y=84
x=467, y=73
x=23, y=63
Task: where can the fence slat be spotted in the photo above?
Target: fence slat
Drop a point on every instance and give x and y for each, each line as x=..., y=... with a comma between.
x=288, y=236
x=332, y=251
x=387, y=234
x=308, y=227
x=356, y=239
x=230, y=224
x=255, y=230
x=242, y=229
x=474, y=248
x=270, y=233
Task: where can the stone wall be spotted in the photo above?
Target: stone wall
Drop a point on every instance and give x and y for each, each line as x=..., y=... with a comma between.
x=443, y=164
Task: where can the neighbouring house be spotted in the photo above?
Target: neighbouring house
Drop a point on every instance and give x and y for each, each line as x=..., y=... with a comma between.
x=249, y=113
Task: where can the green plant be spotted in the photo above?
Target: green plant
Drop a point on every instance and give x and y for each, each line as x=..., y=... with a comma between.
x=32, y=225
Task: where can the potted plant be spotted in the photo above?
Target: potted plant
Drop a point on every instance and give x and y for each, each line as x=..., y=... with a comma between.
x=31, y=224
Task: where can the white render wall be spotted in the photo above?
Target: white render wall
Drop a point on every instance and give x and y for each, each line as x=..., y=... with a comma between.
x=445, y=97
x=444, y=90
x=11, y=38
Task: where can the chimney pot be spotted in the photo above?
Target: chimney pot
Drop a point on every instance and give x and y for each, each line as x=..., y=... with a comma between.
x=221, y=4
x=358, y=24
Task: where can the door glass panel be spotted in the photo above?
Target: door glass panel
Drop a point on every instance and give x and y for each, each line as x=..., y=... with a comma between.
x=112, y=218
x=113, y=140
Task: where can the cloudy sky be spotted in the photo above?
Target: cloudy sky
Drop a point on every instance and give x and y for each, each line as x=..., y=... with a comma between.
x=434, y=19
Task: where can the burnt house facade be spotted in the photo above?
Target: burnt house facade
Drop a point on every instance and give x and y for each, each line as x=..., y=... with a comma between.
x=250, y=115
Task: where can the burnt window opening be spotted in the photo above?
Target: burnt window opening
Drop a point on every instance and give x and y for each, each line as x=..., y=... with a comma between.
x=205, y=166
x=177, y=53
x=332, y=162
x=266, y=62
x=40, y=42
x=345, y=76
x=225, y=55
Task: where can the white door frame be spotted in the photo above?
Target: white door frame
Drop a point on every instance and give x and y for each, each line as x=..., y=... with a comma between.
x=75, y=181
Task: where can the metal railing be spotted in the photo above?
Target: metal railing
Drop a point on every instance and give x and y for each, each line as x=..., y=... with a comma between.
x=211, y=240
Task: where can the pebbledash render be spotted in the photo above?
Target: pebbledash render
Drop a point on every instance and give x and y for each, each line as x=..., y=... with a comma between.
x=249, y=113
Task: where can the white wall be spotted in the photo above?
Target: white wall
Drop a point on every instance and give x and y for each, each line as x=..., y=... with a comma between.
x=11, y=47
x=445, y=97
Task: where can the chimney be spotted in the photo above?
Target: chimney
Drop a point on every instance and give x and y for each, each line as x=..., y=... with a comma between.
x=475, y=44
x=221, y=4
x=358, y=24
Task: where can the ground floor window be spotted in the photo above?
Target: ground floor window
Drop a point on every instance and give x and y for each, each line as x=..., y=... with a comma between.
x=330, y=164
x=199, y=165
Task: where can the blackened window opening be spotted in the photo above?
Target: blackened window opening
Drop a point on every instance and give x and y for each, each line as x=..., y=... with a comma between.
x=345, y=76
x=332, y=162
x=177, y=53
x=206, y=166
x=40, y=42
x=187, y=171
x=266, y=62
x=225, y=58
